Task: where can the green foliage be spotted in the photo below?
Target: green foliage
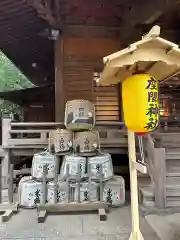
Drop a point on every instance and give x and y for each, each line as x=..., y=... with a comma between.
x=11, y=79
x=7, y=108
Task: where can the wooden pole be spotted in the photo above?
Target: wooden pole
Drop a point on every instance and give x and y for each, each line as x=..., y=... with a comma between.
x=44, y=184
x=6, y=127
x=136, y=233
x=59, y=80
x=10, y=187
x=0, y=182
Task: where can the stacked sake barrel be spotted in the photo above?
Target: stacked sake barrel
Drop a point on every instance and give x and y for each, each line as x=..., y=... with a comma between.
x=30, y=190
x=82, y=162
x=80, y=119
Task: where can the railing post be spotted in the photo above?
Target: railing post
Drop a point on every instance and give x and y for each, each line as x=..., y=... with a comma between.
x=156, y=164
x=160, y=177
x=6, y=127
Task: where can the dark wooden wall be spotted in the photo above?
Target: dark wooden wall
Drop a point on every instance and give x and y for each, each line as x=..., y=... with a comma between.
x=39, y=112
x=82, y=56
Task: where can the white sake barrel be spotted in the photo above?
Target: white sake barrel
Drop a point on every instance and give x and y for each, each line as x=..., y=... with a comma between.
x=107, y=167
x=73, y=161
x=114, y=191
x=23, y=179
x=44, y=159
x=57, y=192
x=30, y=193
x=62, y=140
x=52, y=192
x=86, y=142
x=62, y=192
x=79, y=115
x=87, y=194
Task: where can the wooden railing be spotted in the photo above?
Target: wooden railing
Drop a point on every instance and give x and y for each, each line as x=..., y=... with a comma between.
x=35, y=134
x=156, y=165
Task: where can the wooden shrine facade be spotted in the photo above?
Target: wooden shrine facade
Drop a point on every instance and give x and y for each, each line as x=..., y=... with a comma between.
x=62, y=43
x=59, y=45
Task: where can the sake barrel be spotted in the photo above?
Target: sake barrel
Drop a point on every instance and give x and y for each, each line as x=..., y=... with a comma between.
x=86, y=142
x=62, y=140
x=79, y=115
x=44, y=159
x=23, y=179
x=52, y=192
x=87, y=194
x=30, y=193
x=114, y=191
x=107, y=167
x=62, y=195
x=73, y=162
x=57, y=192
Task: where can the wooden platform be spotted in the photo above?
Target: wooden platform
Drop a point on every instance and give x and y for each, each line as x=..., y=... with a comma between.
x=8, y=210
x=72, y=207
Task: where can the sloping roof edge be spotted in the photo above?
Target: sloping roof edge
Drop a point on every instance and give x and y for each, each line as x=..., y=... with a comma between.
x=151, y=55
x=28, y=95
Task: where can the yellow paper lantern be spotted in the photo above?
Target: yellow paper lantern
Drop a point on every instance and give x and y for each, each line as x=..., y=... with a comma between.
x=140, y=103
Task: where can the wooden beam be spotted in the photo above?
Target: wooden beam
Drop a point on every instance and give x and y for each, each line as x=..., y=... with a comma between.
x=44, y=11
x=91, y=31
x=142, y=14
x=59, y=80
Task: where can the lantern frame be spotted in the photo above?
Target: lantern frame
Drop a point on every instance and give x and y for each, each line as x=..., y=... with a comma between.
x=149, y=55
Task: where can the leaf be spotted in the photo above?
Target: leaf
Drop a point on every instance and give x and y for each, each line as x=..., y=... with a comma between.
x=11, y=78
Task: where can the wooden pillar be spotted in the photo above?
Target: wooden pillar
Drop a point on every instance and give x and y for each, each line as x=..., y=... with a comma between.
x=160, y=177
x=121, y=113
x=6, y=126
x=59, y=84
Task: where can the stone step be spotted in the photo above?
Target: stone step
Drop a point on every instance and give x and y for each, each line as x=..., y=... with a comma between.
x=144, y=182
x=172, y=202
x=173, y=180
x=173, y=155
x=173, y=174
x=147, y=192
x=173, y=162
x=148, y=203
x=173, y=191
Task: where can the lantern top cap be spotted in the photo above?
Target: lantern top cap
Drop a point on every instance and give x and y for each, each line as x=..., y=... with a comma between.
x=152, y=54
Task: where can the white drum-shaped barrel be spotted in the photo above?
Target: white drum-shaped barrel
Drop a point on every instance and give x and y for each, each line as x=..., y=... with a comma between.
x=86, y=142
x=79, y=115
x=62, y=192
x=62, y=140
x=56, y=192
x=73, y=161
x=114, y=191
x=23, y=179
x=30, y=193
x=107, y=167
x=52, y=192
x=87, y=194
x=44, y=159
